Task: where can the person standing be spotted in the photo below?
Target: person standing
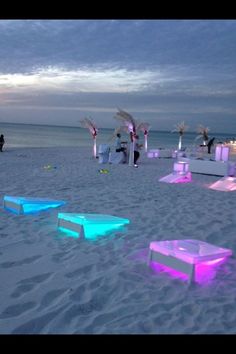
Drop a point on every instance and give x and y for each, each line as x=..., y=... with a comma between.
x=2, y=141
x=119, y=148
x=137, y=147
x=210, y=144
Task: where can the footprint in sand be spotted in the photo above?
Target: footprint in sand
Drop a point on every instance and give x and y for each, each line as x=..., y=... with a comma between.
x=37, y=279
x=19, y=263
x=61, y=256
x=52, y=297
x=38, y=324
x=22, y=289
x=81, y=271
x=17, y=310
x=29, y=284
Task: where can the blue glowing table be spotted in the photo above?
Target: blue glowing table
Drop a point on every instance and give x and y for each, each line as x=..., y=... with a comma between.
x=25, y=205
x=89, y=225
x=185, y=255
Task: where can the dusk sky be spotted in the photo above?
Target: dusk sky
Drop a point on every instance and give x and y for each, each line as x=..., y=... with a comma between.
x=161, y=71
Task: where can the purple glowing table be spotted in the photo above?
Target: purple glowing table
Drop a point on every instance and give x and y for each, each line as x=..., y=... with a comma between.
x=180, y=174
x=222, y=152
x=185, y=256
x=153, y=153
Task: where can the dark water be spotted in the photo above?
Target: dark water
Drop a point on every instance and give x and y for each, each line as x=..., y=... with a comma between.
x=28, y=135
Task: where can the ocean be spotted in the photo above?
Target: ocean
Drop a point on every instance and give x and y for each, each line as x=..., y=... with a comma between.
x=31, y=135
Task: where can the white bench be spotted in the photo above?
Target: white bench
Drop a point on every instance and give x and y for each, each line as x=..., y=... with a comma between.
x=217, y=168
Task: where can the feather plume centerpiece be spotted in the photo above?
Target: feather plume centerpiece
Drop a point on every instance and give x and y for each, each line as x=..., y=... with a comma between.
x=128, y=122
x=89, y=123
x=144, y=127
x=129, y=126
x=181, y=129
x=203, y=133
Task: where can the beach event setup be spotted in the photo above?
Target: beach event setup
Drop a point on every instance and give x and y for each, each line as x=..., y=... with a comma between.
x=27, y=205
x=193, y=258
x=89, y=225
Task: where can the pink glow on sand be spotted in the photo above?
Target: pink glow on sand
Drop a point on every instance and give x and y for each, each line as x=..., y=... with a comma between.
x=185, y=179
x=176, y=177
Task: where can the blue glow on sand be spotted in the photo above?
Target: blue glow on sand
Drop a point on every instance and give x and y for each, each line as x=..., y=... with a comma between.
x=94, y=224
x=30, y=205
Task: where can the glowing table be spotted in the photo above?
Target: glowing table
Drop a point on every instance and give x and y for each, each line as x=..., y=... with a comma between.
x=25, y=205
x=222, y=152
x=225, y=184
x=180, y=174
x=159, y=153
x=185, y=256
x=89, y=225
x=153, y=153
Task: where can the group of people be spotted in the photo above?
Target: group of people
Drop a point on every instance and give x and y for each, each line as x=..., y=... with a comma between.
x=2, y=141
x=137, y=148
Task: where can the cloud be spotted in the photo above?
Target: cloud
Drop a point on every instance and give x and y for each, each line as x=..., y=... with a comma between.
x=156, y=68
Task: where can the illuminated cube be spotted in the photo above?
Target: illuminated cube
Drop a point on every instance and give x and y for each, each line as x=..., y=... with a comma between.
x=222, y=153
x=153, y=153
x=89, y=225
x=181, y=167
x=191, y=258
x=27, y=205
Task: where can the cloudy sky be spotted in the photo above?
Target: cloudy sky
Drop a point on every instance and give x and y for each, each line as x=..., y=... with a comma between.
x=161, y=71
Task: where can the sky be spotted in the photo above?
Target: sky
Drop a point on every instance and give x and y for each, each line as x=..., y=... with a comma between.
x=160, y=71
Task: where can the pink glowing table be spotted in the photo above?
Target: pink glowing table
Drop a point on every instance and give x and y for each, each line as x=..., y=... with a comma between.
x=185, y=255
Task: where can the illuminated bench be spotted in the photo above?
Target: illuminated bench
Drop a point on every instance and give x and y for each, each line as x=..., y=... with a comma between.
x=89, y=225
x=188, y=257
x=25, y=205
x=217, y=168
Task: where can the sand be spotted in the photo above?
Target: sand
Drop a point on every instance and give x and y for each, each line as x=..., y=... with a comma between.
x=51, y=283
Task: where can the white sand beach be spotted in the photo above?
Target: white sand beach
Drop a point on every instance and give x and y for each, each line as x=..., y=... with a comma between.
x=54, y=284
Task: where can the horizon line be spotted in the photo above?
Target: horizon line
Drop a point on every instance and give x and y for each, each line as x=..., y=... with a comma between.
x=76, y=126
